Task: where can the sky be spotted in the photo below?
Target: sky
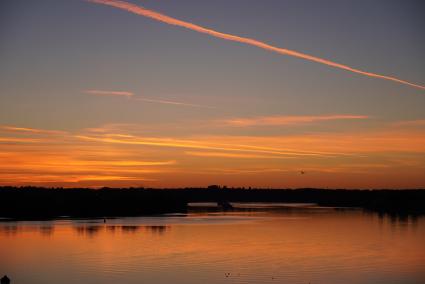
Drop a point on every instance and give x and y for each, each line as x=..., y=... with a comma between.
x=190, y=93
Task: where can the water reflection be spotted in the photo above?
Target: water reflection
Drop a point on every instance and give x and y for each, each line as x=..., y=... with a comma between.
x=257, y=245
x=47, y=230
x=202, y=213
x=88, y=230
x=93, y=230
x=130, y=229
x=9, y=229
x=400, y=219
x=396, y=221
x=160, y=230
x=19, y=228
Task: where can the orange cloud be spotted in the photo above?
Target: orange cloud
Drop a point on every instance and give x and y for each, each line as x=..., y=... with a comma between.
x=333, y=144
x=19, y=140
x=231, y=155
x=391, y=157
x=208, y=144
x=30, y=130
x=60, y=178
x=172, y=21
x=250, y=171
x=58, y=164
x=288, y=120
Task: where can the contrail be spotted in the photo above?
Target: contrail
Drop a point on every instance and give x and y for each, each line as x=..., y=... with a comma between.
x=171, y=102
x=108, y=93
x=172, y=21
x=131, y=95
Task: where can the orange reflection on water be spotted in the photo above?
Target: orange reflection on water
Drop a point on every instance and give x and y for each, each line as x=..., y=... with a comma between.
x=318, y=246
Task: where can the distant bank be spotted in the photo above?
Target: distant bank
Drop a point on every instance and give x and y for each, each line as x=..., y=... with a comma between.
x=40, y=203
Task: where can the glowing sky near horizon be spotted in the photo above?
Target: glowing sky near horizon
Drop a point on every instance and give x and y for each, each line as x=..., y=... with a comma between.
x=92, y=95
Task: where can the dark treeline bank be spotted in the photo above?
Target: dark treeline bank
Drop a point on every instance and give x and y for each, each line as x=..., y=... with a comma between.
x=34, y=202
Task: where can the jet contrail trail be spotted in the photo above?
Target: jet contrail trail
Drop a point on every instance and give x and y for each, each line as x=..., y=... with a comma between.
x=131, y=95
x=170, y=102
x=172, y=21
x=108, y=93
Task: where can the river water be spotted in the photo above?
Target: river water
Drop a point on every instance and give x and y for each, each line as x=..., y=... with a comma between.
x=255, y=243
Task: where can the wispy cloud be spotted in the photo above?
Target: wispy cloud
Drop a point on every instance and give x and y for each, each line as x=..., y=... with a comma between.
x=417, y=122
x=250, y=171
x=114, y=127
x=30, y=130
x=222, y=143
x=19, y=140
x=172, y=21
x=167, y=102
x=232, y=155
x=60, y=163
x=121, y=163
x=288, y=120
x=84, y=158
x=149, y=100
x=108, y=93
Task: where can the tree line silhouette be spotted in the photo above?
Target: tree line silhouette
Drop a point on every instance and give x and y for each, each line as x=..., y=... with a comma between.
x=39, y=202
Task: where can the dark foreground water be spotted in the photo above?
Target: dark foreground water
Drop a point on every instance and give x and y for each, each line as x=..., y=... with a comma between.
x=257, y=243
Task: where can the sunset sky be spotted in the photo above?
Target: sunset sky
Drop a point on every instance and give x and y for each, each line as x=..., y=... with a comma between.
x=191, y=93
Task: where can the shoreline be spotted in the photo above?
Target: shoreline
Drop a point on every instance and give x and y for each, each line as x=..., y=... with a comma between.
x=47, y=203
